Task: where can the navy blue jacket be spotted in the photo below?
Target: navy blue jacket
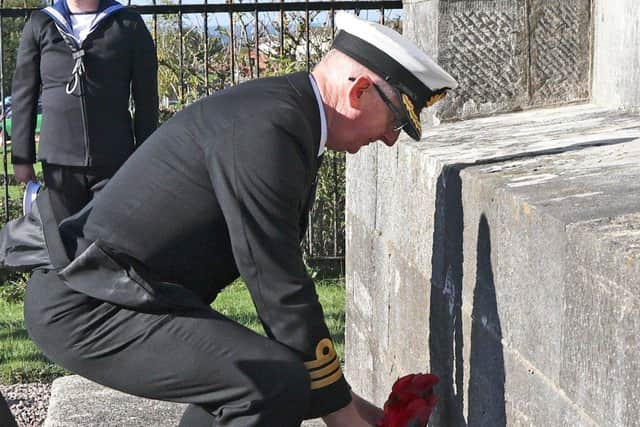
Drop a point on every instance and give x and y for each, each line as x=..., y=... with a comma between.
x=221, y=190
x=95, y=129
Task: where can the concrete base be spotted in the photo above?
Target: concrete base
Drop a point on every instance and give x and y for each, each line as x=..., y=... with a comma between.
x=502, y=254
x=78, y=402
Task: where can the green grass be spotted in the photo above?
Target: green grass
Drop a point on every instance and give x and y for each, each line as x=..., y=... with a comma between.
x=235, y=303
x=21, y=361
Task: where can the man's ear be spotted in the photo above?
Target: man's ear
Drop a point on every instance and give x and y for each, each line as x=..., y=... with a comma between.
x=357, y=89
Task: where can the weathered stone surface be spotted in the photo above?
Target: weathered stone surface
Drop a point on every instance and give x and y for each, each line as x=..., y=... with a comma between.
x=560, y=37
x=616, y=52
x=78, y=402
x=524, y=294
x=600, y=369
x=484, y=45
x=507, y=55
x=420, y=24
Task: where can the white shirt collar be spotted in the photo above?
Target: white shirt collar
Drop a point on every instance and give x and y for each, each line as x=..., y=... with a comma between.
x=323, y=118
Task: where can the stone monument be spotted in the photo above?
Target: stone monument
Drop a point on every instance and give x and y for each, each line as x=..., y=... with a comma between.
x=502, y=252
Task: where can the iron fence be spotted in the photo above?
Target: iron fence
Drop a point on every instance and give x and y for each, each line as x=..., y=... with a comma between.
x=205, y=47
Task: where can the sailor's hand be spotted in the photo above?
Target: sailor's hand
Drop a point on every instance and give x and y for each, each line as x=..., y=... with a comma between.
x=24, y=173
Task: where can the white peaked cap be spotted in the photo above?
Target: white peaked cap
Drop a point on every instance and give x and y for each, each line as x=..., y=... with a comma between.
x=419, y=79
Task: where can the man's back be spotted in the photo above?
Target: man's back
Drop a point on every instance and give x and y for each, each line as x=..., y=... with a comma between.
x=162, y=208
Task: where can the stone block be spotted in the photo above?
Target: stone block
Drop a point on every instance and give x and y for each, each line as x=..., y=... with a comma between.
x=602, y=313
x=560, y=43
x=420, y=24
x=616, y=54
x=77, y=402
x=361, y=186
x=516, y=293
x=529, y=212
x=507, y=55
x=484, y=46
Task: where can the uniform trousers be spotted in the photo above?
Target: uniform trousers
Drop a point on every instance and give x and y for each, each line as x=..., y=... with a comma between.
x=229, y=375
x=72, y=187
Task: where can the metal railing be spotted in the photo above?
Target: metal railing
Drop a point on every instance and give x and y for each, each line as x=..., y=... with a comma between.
x=225, y=44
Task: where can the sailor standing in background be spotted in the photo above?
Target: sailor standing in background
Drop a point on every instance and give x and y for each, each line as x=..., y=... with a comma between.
x=87, y=57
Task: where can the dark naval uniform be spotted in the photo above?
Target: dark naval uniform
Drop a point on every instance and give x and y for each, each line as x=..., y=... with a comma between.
x=85, y=87
x=221, y=190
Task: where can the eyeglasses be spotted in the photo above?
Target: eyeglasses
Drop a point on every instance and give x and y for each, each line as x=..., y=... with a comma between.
x=398, y=118
x=399, y=121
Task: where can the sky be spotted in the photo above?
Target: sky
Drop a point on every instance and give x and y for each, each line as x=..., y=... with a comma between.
x=222, y=19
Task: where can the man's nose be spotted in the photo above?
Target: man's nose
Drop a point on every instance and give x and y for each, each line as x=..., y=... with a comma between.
x=391, y=137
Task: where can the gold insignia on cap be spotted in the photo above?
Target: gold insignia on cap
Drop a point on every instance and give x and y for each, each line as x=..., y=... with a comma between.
x=325, y=369
x=435, y=98
x=415, y=120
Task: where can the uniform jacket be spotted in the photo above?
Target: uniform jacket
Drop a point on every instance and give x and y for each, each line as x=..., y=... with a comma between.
x=222, y=189
x=119, y=60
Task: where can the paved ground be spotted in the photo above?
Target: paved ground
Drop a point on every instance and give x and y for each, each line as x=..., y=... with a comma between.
x=78, y=402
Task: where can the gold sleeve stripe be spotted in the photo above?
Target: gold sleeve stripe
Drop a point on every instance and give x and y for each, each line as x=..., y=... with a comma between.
x=329, y=369
x=326, y=381
x=325, y=369
x=324, y=354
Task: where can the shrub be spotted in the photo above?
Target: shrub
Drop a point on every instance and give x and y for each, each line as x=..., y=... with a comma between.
x=166, y=113
x=12, y=287
x=15, y=208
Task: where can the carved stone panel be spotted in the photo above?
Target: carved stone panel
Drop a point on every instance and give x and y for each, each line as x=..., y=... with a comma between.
x=507, y=55
x=483, y=44
x=560, y=34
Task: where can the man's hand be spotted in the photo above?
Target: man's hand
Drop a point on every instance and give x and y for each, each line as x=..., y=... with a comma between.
x=358, y=413
x=24, y=173
x=367, y=410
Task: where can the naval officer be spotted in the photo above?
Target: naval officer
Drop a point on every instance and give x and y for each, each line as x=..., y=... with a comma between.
x=222, y=191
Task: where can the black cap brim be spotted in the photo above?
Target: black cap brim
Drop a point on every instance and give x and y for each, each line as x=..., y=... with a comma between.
x=413, y=127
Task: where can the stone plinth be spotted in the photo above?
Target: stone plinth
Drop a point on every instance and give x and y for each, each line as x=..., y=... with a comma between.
x=616, y=68
x=78, y=402
x=502, y=254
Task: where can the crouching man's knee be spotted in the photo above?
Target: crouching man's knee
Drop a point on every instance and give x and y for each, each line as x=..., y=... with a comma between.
x=284, y=393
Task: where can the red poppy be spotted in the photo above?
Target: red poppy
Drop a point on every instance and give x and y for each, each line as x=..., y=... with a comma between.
x=410, y=402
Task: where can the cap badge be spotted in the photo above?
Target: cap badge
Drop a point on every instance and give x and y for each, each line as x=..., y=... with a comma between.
x=435, y=98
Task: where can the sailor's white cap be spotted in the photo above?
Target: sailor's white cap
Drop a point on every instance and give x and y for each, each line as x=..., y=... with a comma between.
x=418, y=79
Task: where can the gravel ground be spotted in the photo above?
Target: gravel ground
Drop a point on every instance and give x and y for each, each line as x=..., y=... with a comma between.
x=28, y=402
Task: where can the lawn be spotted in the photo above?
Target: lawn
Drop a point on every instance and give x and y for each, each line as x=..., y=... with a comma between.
x=21, y=361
